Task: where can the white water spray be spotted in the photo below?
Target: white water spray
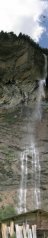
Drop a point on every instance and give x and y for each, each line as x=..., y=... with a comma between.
x=41, y=93
x=36, y=199
x=35, y=177
x=25, y=231
x=34, y=231
x=40, y=96
x=23, y=187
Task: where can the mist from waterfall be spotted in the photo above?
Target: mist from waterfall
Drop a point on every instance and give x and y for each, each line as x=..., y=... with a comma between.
x=33, y=151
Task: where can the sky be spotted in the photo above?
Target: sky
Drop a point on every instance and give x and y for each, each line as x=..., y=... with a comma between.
x=26, y=16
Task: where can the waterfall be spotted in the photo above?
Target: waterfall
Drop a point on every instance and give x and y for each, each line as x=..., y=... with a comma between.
x=40, y=96
x=32, y=149
x=23, y=189
x=36, y=199
x=35, y=177
x=25, y=231
x=41, y=93
x=18, y=231
x=34, y=231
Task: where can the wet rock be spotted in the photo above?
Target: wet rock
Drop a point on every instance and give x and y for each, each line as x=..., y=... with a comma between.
x=47, y=81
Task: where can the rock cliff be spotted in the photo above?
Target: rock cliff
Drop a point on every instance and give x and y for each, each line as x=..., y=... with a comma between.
x=21, y=65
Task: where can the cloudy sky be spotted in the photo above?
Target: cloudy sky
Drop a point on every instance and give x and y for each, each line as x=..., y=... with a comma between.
x=26, y=16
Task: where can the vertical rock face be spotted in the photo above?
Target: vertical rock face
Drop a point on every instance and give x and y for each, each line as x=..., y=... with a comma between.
x=21, y=64
x=47, y=81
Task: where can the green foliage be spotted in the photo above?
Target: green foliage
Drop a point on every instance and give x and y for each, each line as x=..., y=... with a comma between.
x=7, y=36
x=12, y=36
x=11, y=48
x=14, y=236
x=6, y=212
x=0, y=199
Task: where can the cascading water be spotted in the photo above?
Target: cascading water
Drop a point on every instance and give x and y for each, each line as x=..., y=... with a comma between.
x=32, y=150
x=34, y=231
x=25, y=231
x=40, y=95
x=36, y=199
x=22, y=193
